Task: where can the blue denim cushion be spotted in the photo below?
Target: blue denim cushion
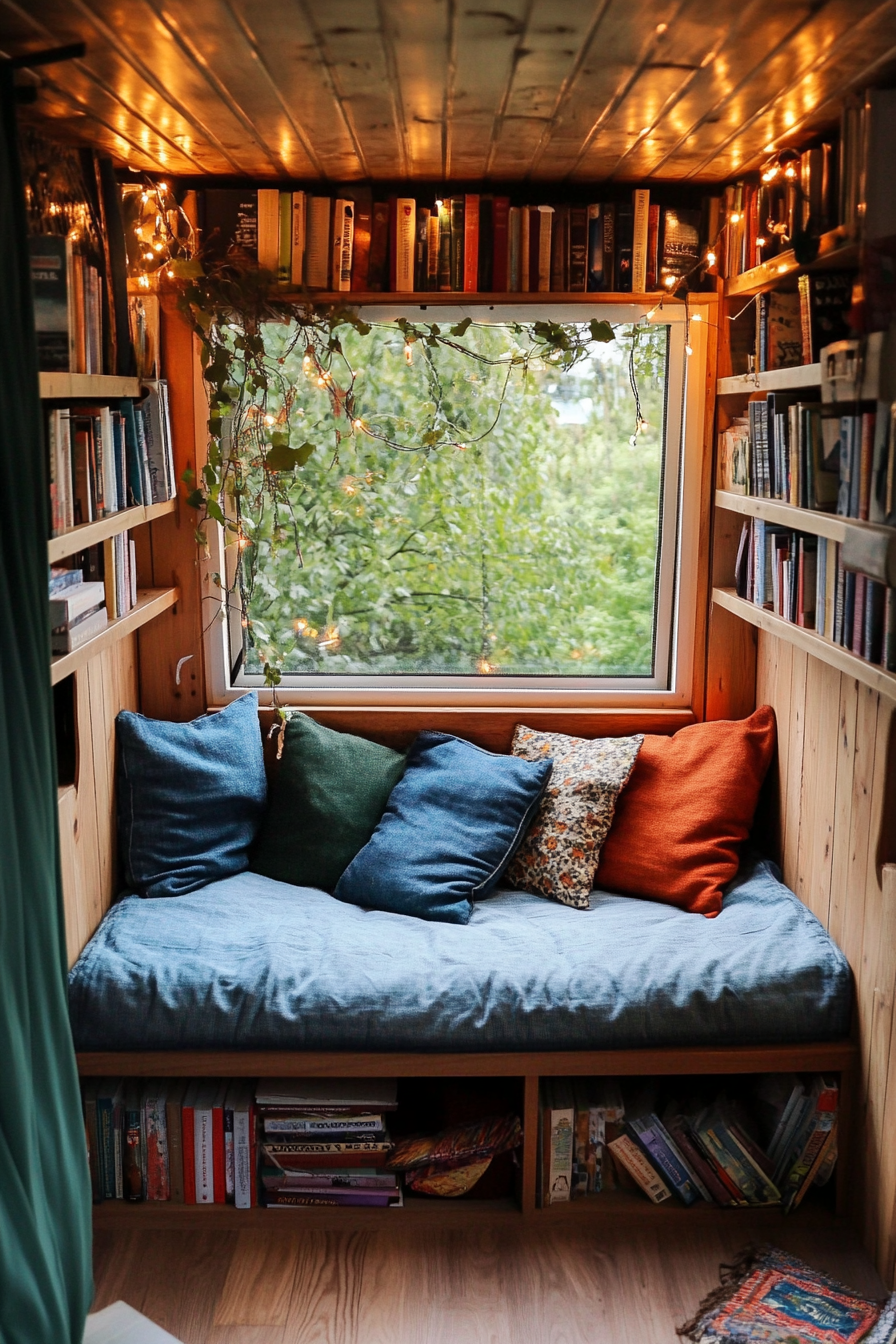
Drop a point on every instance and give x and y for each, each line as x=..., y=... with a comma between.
x=450, y=828
x=190, y=797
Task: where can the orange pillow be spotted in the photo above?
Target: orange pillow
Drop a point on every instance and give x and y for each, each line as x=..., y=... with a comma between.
x=688, y=806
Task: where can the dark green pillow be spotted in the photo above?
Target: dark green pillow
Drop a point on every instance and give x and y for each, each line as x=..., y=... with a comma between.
x=324, y=804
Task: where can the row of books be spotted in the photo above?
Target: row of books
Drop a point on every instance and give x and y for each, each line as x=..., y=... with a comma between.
x=80, y=608
x=793, y=326
x=472, y=243
x=67, y=291
x=226, y=1141
x=811, y=456
x=839, y=183
x=802, y=579
x=107, y=458
x=766, y=1145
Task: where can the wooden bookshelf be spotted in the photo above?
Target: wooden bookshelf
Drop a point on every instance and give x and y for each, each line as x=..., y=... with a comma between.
x=89, y=534
x=459, y=299
x=92, y=386
x=773, y=380
x=869, y=548
x=869, y=674
x=151, y=602
x=835, y=249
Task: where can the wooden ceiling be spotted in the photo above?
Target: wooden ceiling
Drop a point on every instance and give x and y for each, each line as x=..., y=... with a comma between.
x=547, y=90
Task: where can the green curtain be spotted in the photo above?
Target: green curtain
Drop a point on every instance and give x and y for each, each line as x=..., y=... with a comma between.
x=45, y=1233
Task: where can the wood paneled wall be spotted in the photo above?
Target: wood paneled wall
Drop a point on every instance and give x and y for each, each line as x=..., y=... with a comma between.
x=831, y=816
x=103, y=686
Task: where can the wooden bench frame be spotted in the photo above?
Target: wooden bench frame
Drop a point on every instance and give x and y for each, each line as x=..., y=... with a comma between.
x=841, y=1057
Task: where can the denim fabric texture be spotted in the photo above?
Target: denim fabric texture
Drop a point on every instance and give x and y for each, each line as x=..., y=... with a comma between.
x=326, y=796
x=190, y=797
x=252, y=964
x=451, y=826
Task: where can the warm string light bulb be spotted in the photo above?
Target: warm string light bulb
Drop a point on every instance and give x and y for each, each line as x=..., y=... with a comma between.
x=735, y=218
x=711, y=258
x=408, y=353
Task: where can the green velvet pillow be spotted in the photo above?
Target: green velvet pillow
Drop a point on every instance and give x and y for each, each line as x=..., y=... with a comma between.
x=324, y=804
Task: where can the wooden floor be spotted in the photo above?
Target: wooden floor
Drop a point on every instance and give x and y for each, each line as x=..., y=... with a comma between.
x=570, y=1283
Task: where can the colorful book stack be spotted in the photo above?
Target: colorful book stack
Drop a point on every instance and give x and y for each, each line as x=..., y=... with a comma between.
x=768, y=1146
x=802, y=579
x=470, y=243
x=325, y=1141
x=77, y=610
x=190, y=1142
x=68, y=306
x=107, y=458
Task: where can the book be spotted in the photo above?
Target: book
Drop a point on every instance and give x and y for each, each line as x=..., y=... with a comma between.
x=681, y=245
x=784, y=339
x=133, y=1145
x=702, y=1169
x=729, y=1152
x=589, y=1141
x=297, y=240
x=284, y=239
x=333, y=1095
x=456, y=206
x=421, y=246
x=228, y=220
x=514, y=249
x=240, y=1104
x=269, y=229
x=155, y=1128
x=663, y=1154
x=362, y=198
x=545, y=233
x=327, y=1127
x=188, y=1140
x=640, y=226
x=51, y=265
x=578, y=248
x=327, y=1153
x=653, y=246
x=560, y=249
x=317, y=242
x=343, y=240
x=525, y=249
x=74, y=600
x=433, y=249
x=362, y=1178
x=533, y=250
x=557, y=1118
x=61, y=579
x=624, y=234
x=287, y=1198
x=595, y=223
x=471, y=244
x=378, y=265
x=825, y=301
x=109, y=1116
x=627, y=1152
x=72, y=637
x=500, y=244
x=174, y=1098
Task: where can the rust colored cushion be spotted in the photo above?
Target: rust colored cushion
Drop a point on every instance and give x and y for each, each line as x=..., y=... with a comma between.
x=688, y=807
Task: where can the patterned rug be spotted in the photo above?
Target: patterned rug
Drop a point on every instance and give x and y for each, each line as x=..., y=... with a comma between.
x=769, y=1297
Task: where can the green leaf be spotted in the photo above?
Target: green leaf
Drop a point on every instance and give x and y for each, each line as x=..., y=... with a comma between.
x=214, y=511
x=462, y=327
x=195, y=500
x=601, y=331
x=188, y=476
x=303, y=452
x=280, y=457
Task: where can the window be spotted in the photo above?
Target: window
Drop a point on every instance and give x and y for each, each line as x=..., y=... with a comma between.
x=537, y=560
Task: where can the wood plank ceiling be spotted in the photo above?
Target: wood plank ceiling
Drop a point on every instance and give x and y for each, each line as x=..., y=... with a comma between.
x=546, y=90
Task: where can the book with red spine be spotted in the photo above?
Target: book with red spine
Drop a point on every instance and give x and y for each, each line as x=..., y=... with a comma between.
x=653, y=247
x=219, y=1155
x=363, y=200
x=501, y=243
x=471, y=244
x=155, y=1128
x=187, y=1127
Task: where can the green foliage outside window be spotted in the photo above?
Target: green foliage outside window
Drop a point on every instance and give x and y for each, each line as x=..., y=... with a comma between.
x=530, y=550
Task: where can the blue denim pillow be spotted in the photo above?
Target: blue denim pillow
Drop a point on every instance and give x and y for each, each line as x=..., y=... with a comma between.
x=450, y=828
x=190, y=797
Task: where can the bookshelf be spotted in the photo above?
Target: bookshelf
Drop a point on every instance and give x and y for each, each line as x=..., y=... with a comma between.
x=151, y=602
x=872, y=538
x=868, y=674
x=773, y=380
x=90, y=534
x=835, y=249
x=90, y=386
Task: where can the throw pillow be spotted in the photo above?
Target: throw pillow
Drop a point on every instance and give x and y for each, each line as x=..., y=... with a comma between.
x=190, y=797
x=328, y=794
x=450, y=828
x=688, y=808
x=561, y=851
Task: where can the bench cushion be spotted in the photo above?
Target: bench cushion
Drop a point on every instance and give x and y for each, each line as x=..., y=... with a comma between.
x=249, y=963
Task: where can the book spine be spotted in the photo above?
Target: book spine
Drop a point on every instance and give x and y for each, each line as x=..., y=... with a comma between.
x=824, y=1125
x=325, y=1128
x=297, y=240
x=534, y=251
x=715, y=1187
x=578, y=249
x=229, y=1187
x=175, y=1151
x=378, y=264
x=500, y=243
x=317, y=246
x=514, y=245
x=486, y=280
x=640, y=208
x=545, y=230
x=363, y=210
x=284, y=241
x=343, y=238
x=105, y=1147
x=653, y=247
x=158, y=1186
x=244, y=1196
x=203, y=1148
x=560, y=250
x=471, y=244
x=219, y=1156
x=559, y=1126
x=188, y=1142
x=657, y=1151
x=133, y=1162
x=457, y=243
x=421, y=251
x=405, y=239
x=433, y=234
x=636, y=1164
x=268, y=230
x=608, y=215
x=525, y=244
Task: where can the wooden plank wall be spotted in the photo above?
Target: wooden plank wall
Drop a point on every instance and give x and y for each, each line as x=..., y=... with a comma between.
x=103, y=686
x=832, y=818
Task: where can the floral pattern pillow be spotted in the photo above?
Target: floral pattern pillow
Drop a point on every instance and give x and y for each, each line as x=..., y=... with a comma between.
x=560, y=852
